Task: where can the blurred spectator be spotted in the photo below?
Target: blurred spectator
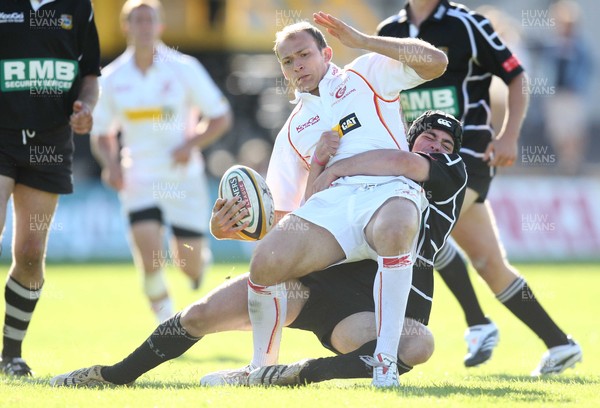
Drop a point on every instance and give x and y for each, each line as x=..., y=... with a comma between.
x=567, y=59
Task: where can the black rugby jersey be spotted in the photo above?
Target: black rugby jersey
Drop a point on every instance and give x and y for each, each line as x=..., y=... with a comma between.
x=44, y=53
x=475, y=53
x=445, y=191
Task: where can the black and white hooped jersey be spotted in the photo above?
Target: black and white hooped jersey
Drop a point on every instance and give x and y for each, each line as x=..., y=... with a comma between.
x=475, y=53
x=46, y=47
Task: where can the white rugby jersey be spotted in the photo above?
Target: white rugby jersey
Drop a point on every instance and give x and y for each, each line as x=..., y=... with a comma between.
x=152, y=110
x=361, y=101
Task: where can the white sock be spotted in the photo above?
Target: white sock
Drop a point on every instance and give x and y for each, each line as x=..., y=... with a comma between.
x=267, y=306
x=390, y=292
x=163, y=309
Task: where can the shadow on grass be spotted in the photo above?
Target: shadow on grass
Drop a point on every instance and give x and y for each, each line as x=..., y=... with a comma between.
x=445, y=390
x=185, y=383
x=494, y=385
x=582, y=380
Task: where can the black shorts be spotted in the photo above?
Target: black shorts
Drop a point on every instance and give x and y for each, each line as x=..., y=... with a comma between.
x=346, y=289
x=42, y=160
x=155, y=214
x=479, y=175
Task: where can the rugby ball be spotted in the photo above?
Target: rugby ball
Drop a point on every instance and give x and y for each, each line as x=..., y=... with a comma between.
x=244, y=182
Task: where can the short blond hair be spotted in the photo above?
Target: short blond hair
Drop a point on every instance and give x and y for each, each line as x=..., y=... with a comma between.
x=131, y=5
x=293, y=29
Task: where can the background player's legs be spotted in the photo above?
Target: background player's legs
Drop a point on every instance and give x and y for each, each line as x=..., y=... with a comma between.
x=477, y=234
x=33, y=213
x=452, y=268
x=192, y=255
x=7, y=185
x=149, y=258
x=481, y=334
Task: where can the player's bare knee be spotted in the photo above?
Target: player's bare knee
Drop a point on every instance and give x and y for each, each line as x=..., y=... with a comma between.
x=489, y=268
x=267, y=268
x=395, y=237
x=196, y=319
x=260, y=269
x=416, y=345
x=30, y=256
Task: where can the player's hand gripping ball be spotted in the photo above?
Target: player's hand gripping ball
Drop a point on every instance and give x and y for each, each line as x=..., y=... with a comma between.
x=242, y=181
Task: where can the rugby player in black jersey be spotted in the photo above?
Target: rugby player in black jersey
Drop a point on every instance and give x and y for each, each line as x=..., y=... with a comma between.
x=49, y=63
x=476, y=53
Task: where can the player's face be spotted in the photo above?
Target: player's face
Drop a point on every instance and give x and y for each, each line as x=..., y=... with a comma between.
x=143, y=27
x=434, y=141
x=302, y=63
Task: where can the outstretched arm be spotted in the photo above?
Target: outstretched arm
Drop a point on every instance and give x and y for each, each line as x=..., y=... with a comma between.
x=426, y=60
x=383, y=162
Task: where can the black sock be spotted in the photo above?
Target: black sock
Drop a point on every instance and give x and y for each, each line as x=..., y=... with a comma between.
x=521, y=301
x=168, y=341
x=20, y=303
x=344, y=366
x=453, y=270
x=403, y=368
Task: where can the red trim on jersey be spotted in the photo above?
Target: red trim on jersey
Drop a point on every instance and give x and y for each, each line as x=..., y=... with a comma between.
x=376, y=103
x=290, y=136
x=380, y=305
x=373, y=89
x=274, y=332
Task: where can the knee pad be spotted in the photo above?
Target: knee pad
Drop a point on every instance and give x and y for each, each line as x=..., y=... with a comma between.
x=155, y=284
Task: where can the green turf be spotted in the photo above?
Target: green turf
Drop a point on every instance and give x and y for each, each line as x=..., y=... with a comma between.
x=96, y=314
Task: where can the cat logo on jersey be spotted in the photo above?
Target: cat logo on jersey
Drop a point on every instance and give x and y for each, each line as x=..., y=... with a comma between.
x=347, y=124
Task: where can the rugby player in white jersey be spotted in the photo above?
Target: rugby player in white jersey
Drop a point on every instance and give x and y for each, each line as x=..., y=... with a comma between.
x=336, y=304
x=361, y=217
x=149, y=93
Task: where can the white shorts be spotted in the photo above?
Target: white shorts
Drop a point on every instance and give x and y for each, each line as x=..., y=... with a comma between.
x=346, y=209
x=184, y=203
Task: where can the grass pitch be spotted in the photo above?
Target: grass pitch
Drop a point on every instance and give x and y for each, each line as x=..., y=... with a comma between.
x=96, y=314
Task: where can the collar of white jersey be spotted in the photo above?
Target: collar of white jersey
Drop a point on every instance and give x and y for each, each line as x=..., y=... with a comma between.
x=162, y=52
x=332, y=72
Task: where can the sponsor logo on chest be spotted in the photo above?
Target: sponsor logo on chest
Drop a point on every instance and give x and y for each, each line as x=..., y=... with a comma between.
x=348, y=124
x=415, y=102
x=14, y=17
x=25, y=74
x=341, y=91
x=310, y=122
